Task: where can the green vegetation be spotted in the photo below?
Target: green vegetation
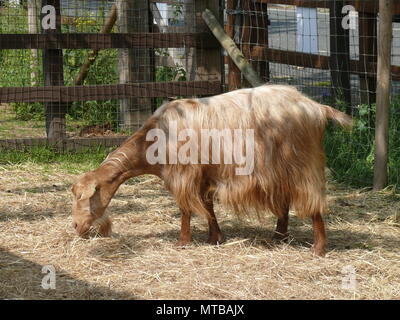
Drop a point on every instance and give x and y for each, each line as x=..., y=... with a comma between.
x=47, y=157
x=16, y=70
x=350, y=155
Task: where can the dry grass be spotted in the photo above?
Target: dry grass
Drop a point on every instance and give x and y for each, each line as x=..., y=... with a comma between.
x=140, y=260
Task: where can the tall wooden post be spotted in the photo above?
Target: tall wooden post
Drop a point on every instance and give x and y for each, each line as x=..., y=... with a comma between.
x=54, y=76
x=234, y=76
x=134, y=64
x=190, y=53
x=245, y=35
x=151, y=68
x=339, y=54
x=383, y=93
x=230, y=46
x=368, y=54
x=259, y=37
x=33, y=28
x=209, y=62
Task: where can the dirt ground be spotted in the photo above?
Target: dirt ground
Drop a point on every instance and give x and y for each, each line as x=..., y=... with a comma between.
x=140, y=260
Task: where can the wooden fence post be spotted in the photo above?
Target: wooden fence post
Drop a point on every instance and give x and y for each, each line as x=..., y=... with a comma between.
x=368, y=46
x=53, y=73
x=339, y=54
x=253, y=35
x=234, y=52
x=259, y=37
x=190, y=53
x=209, y=62
x=245, y=33
x=234, y=75
x=383, y=93
x=134, y=64
x=33, y=28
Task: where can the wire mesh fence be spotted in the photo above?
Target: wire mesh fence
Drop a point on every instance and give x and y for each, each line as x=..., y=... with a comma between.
x=165, y=43
x=319, y=48
x=100, y=68
x=328, y=50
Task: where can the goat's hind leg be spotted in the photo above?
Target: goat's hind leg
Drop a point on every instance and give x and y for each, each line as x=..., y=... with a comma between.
x=214, y=232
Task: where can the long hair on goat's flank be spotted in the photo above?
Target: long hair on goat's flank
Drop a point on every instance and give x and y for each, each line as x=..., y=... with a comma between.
x=184, y=181
x=185, y=184
x=289, y=158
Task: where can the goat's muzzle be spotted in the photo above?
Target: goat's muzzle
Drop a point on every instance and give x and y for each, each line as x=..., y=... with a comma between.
x=82, y=228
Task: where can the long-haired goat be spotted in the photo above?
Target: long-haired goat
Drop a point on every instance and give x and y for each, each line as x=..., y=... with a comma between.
x=287, y=170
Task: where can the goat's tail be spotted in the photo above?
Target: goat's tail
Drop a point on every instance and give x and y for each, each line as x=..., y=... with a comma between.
x=339, y=117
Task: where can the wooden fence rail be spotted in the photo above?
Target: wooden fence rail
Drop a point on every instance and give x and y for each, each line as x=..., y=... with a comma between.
x=109, y=92
x=315, y=61
x=338, y=62
x=204, y=42
x=96, y=41
x=205, y=79
x=367, y=6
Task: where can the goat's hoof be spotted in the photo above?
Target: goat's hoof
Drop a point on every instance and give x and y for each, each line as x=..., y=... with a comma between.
x=216, y=241
x=182, y=243
x=281, y=237
x=318, y=251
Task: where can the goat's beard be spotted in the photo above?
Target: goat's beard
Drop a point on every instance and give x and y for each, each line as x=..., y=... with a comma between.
x=103, y=226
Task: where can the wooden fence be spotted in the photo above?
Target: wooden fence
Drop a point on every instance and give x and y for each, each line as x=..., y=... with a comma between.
x=254, y=37
x=254, y=43
x=56, y=96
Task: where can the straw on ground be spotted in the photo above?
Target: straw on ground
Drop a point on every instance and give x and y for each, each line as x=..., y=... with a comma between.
x=141, y=261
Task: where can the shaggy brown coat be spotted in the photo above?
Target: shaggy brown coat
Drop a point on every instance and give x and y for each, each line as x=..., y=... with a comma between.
x=289, y=161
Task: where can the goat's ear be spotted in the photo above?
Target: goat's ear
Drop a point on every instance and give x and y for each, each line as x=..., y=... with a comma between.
x=88, y=191
x=73, y=188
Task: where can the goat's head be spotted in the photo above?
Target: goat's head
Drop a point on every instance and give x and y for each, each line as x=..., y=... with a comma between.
x=91, y=198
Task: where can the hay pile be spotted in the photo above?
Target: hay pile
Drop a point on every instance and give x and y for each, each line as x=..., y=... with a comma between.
x=140, y=260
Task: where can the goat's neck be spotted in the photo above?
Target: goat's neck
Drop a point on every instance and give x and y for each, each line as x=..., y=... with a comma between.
x=126, y=162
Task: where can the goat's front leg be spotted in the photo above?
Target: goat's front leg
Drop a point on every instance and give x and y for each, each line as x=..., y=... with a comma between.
x=185, y=236
x=319, y=235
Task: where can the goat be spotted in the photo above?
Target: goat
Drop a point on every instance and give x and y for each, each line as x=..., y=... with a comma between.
x=287, y=170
